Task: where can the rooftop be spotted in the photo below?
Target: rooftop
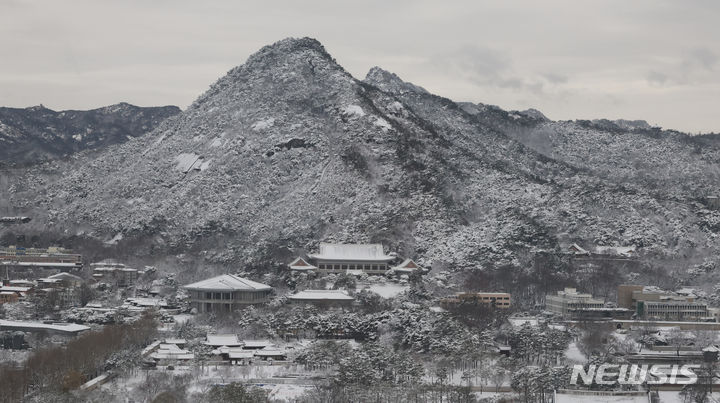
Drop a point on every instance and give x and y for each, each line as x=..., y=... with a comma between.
x=65, y=276
x=301, y=264
x=256, y=343
x=15, y=289
x=408, y=265
x=58, y=327
x=227, y=282
x=330, y=295
x=352, y=252
x=270, y=352
x=217, y=340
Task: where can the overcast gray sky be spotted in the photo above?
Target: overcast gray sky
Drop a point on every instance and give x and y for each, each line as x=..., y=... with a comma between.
x=656, y=60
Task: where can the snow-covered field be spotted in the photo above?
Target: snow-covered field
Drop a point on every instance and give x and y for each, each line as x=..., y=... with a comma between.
x=574, y=355
x=385, y=290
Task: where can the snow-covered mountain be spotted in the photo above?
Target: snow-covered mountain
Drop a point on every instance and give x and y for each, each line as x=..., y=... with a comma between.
x=37, y=134
x=289, y=149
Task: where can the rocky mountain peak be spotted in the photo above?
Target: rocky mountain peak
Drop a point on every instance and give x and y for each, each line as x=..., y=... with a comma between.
x=278, y=70
x=390, y=82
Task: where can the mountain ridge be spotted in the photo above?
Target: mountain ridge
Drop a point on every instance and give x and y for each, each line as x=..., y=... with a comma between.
x=36, y=134
x=289, y=149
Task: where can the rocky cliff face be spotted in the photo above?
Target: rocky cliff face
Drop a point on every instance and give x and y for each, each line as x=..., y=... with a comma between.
x=39, y=134
x=289, y=149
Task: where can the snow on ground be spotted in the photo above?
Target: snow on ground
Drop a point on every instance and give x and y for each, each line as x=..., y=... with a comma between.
x=386, y=290
x=674, y=397
x=519, y=321
x=263, y=124
x=115, y=239
x=493, y=396
x=182, y=318
x=395, y=107
x=270, y=377
x=574, y=354
x=591, y=398
x=354, y=110
x=185, y=161
x=287, y=392
x=382, y=124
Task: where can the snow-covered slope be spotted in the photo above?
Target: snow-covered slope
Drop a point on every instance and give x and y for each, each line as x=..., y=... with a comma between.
x=289, y=149
x=37, y=134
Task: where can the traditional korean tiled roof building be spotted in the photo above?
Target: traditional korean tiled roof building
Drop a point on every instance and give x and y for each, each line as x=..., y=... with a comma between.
x=342, y=258
x=325, y=298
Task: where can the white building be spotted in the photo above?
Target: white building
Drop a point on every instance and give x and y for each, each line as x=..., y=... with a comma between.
x=570, y=300
x=226, y=293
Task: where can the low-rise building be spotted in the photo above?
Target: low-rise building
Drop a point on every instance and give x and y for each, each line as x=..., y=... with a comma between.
x=21, y=283
x=226, y=293
x=8, y=297
x=219, y=340
x=653, y=303
x=65, y=285
x=301, y=265
x=600, y=314
x=570, y=300
x=407, y=266
x=323, y=298
x=115, y=273
x=21, y=292
x=53, y=257
x=490, y=299
x=66, y=329
x=673, y=311
x=168, y=354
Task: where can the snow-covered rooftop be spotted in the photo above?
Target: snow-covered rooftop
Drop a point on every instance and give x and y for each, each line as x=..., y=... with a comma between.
x=217, y=340
x=147, y=302
x=20, y=283
x=578, y=250
x=407, y=266
x=270, y=352
x=235, y=354
x=65, y=277
x=352, y=252
x=300, y=264
x=15, y=289
x=46, y=264
x=256, y=343
x=626, y=251
x=57, y=327
x=330, y=295
x=227, y=282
